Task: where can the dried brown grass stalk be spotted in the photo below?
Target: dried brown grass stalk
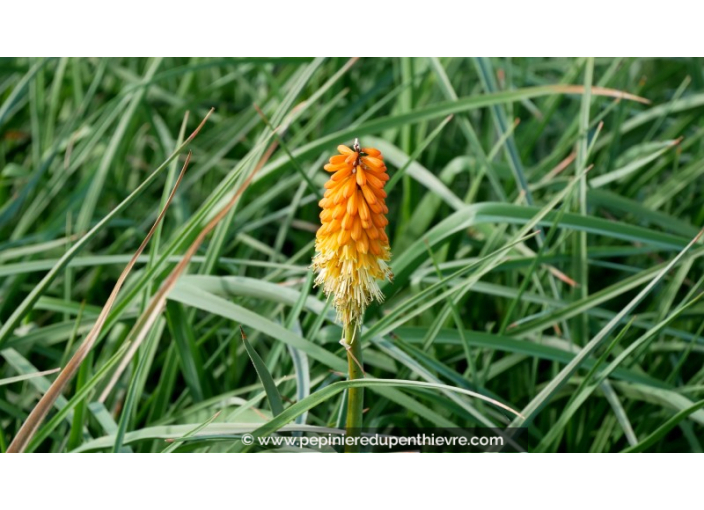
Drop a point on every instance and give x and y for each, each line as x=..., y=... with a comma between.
x=35, y=418
x=158, y=301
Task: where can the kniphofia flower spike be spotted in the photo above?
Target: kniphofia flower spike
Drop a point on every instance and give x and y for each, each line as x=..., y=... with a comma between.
x=352, y=247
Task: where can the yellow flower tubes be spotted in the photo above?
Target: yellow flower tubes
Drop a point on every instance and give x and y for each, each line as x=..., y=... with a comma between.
x=351, y=245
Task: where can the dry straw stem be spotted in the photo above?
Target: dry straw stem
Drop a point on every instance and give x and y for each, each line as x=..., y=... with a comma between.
x=23, y=308
x=147, y=319
x=24, y=377
x=158, y=301
x=600, y=91
x=35, y=418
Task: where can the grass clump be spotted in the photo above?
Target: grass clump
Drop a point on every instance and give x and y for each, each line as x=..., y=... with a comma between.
x=589, y=328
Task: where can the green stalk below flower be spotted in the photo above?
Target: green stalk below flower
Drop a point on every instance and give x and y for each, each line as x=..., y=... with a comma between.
x=355, y=396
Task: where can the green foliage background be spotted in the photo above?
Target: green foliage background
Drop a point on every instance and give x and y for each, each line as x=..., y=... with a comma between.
x=584, y=328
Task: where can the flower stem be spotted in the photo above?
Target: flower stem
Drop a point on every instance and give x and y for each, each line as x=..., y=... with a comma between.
x=355, y=396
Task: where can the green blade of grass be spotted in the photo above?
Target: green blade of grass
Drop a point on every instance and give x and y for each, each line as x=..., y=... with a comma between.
x=664, y=429
x=272, y=392
x=542, y=399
